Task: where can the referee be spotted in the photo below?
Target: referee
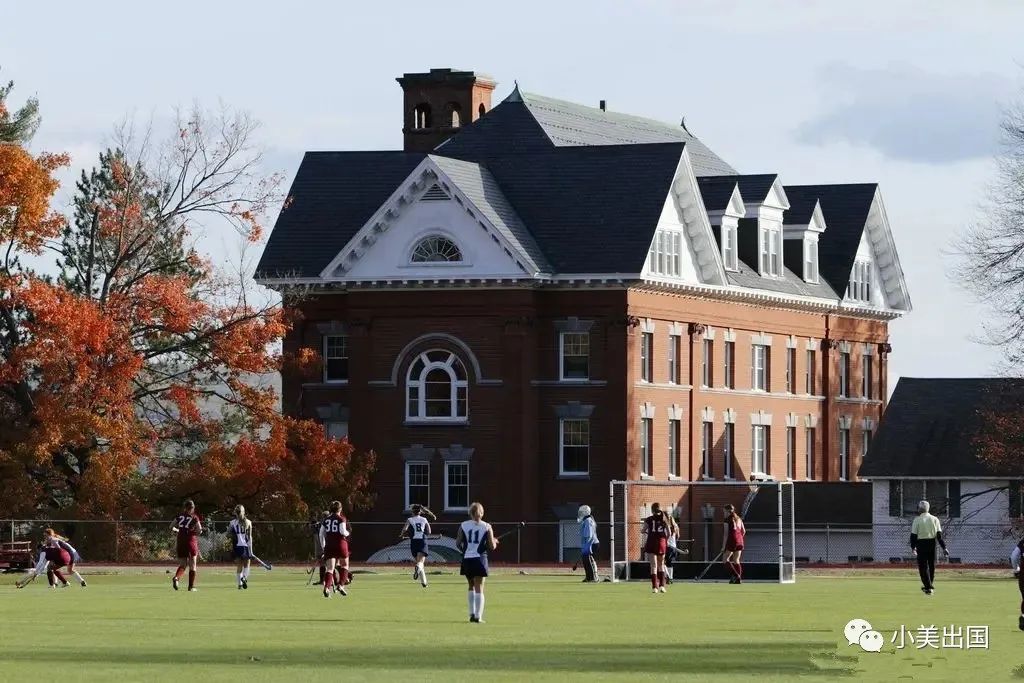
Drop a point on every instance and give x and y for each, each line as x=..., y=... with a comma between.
x=924, y=533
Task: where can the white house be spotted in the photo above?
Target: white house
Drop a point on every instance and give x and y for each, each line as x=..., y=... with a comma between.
x=926, y=449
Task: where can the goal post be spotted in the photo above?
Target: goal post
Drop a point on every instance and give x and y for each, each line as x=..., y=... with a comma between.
x=767, y=508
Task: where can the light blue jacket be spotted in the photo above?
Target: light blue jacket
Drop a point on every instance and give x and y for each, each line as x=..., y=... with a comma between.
x=588, y=534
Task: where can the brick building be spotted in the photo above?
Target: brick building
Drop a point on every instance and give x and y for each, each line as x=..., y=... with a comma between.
x=520, y=308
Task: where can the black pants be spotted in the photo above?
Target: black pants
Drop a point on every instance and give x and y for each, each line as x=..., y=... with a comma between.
x=926, y=561
x=590, y=564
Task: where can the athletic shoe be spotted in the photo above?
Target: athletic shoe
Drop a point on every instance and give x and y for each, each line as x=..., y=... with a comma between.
x=924, y=590
x=1020, y=622
x=193, y=590
x=739, y=581
x=327, y=593
x=83, y=583
x=174, y=582
x=415, y=573
x=344, y=593
x=654, y=590
x=929, y=591
x=65, y=584
x=661, y=590
x=245, y=583
x=239, y=586
x=474, y=620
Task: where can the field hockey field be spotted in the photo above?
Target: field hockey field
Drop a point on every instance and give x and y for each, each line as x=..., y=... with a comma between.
x=133, y=627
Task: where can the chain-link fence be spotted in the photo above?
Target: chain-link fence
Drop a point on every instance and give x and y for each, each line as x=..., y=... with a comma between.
x=148, y=541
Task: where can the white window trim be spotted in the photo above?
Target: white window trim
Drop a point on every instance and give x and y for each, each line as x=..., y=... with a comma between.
x=675, y=460
x=421, y=394
x=646, y=446
x=772, y=248
x=730, y=247
x=729, y=364
x=561, y=358
x=327, y=428
x=647, y=359
x=707, y=446
x=756, y=430
x=755, y=375
x=416, y=462
x=562, y=472
x=728, y=450
x=707, y=347
x=844, y=452
x=674, y=348
x=809, y=438
x=323, y=350
x=845, y=360
x=790, y=451
x=811, y=261
x=447, y=465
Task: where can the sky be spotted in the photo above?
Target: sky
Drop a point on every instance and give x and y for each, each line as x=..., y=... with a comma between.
x=907, y=94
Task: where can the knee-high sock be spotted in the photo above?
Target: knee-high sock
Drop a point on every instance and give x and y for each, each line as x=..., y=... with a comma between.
x=472, y=603
x=323, y=573
x=732, y=569
x=328, y=580
x=245, y=571
x=654, y=579
x=423, y=573
x=56, y=572
x=479, y=605
x=180, y=571
x=78, y=576
x=191, y=578
x=49, y=577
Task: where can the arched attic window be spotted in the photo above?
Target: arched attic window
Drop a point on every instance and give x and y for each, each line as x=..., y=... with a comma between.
x=454, y=112
x=421, y=117
x=437, y=387
x=481, y=110
x=436, y=249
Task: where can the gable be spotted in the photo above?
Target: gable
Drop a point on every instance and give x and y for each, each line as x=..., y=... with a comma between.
x=442, y=200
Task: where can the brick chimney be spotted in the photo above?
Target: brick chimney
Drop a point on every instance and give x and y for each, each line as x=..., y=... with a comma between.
x=438, y=103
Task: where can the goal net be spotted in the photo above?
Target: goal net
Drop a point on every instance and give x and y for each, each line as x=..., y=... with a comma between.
x=767, y=509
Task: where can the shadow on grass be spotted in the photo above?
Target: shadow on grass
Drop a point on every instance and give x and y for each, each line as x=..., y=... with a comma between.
x=759, y=658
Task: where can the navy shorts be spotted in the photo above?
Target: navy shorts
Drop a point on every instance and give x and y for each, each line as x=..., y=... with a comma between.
x=242, y=552
x=473, y=567
x=418, y=546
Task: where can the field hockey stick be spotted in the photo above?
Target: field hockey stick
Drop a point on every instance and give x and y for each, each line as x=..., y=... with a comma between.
x=265, y=565
x=710, y=565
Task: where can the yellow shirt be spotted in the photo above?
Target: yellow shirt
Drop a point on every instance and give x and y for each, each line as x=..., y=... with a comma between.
x=926, y=526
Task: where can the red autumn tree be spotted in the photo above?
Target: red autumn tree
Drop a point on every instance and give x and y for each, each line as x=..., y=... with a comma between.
x=131, y=380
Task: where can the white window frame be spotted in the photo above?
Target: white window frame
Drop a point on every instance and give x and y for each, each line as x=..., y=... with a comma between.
x=729, y=365
x=325, y=346
x=844, y=374
x=865, y=443
x=811, y=261
x=419, y=384
x=646, y=356
x=729, y=248
x=674, y=343
x=425, y=463
x=790, y=453
x=448, y=465
x=562, y=445
x=328, y=429
x=728, y=449
x=646, y=445
x=759, y=367
x=759, y=449
x=770, y=261
x=867, y=380
x=844, y=454
x=812, y=361
x=674, y=432
x=860, y=281
x=707, y=347
x=809, y=455
x=791, y=370
x=707, y=445
x=561, y=356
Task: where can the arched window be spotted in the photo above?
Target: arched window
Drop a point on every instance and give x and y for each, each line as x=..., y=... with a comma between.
x=480, y=111
x=454, y=114
x=421, y=116
x=437, y=387
x=436, y=249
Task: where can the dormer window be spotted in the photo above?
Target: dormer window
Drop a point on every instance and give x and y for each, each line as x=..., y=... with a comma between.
x=666, y=253
x=771, y=251
x=810, y=260
x=860, y=282
x=730, y=253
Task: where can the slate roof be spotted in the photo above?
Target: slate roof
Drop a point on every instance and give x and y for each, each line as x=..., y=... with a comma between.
x=802, y=200
x=716, y=191
x=520, y=117
x=789, y=283
x=332, y=196
x=930, y=425
x=845, y=208
x=480, y=187
x=816, y=503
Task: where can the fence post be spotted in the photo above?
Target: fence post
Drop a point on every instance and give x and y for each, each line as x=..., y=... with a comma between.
x=828, y=534
x=12, y=531
x=519, y=545
x=117, y=541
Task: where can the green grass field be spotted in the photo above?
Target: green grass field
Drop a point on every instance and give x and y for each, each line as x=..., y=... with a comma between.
x=133, y=627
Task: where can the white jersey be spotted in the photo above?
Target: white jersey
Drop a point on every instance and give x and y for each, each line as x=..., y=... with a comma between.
x=419, y=527
x=475, y=534
x=240, y=532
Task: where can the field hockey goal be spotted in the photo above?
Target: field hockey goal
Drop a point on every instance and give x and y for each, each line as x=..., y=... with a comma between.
x=767, y=509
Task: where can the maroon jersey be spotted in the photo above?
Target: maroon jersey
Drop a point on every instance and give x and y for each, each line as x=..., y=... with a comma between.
x=656, y=527
x=57, y=555
x=735, y=531
x=188, y=526
x=334, y=534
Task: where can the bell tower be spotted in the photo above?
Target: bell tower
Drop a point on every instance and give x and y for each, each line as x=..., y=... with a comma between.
x=438, y=103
